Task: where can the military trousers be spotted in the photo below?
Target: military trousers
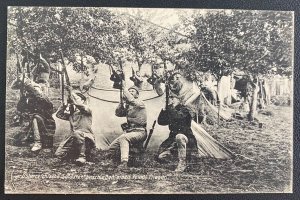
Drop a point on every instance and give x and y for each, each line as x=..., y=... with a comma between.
x=128, y=140
x=180, y=144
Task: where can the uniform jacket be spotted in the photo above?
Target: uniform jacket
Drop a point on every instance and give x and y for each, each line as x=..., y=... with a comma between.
x=179, y=120
x=135, y=111
x=38, y=105
x=117, y=79
x=80, y=120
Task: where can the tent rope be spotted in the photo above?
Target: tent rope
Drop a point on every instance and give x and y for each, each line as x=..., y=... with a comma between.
x=111, y=101
x=115, y=90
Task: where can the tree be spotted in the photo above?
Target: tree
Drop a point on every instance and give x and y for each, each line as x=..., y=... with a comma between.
x=95, y=33
x=249, y=41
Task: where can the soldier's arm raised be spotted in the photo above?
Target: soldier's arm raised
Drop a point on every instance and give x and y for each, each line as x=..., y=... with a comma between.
x=61, y=113
x=82, y=107
x=131, y=100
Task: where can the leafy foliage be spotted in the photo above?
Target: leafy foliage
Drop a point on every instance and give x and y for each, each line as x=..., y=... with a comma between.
x=250, y=41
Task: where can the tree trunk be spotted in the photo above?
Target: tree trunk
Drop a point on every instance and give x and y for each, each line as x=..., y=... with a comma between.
x=220, y=96
x=140, y=66
x=253, y=104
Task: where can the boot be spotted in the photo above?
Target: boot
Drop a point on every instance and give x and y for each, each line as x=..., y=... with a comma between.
x=81, y=160
x=36, y=146
x=181, y=166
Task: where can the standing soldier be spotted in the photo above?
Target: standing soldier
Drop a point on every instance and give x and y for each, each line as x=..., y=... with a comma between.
x=81, y=138
x=181, y=141
x=135, y=128
x=39, y=109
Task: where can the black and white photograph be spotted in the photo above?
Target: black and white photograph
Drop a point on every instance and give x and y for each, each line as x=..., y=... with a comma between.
x=107, y=100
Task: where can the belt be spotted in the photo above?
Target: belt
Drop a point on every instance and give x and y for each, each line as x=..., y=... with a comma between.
x=135, y=129
x=136, y=125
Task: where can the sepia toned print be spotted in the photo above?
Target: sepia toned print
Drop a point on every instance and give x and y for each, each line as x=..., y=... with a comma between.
x=141, y=101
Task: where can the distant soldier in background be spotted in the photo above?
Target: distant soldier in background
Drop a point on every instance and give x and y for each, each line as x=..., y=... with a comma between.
x=157, y=80
x=137, y=79
x=176, y=83
x=135, y=129
x=117, y=77
x=38, y=109
x=81, y=138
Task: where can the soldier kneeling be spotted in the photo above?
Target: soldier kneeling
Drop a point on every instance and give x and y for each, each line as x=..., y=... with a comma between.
x=181, y=141
x=135, y=129
x=38, y=110
x=81, y=138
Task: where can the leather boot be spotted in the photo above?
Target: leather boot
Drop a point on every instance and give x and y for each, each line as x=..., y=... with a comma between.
x=181, y=166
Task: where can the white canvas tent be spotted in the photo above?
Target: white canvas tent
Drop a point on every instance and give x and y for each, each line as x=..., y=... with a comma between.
x=106, y=125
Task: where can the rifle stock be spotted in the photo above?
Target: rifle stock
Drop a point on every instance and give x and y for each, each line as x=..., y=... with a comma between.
x=64, y=75
x=121, y=90
x=167, y=93
x=149, y=136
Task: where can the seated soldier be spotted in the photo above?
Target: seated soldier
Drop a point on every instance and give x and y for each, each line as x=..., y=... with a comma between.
x=135, y=128
x=181, y=141
x=38, y=108
x=137, y=79
x=81, y=137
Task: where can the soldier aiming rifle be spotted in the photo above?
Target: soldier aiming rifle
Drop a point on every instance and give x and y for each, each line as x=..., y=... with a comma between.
x=38, y=110
x=134, y=131
x=136, y=78
x=181, y=141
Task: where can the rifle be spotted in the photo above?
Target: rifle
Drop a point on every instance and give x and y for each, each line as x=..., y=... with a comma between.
x=132, y=71
x=167, y=91
x=19, y=69
x=64, y=74
x=121, y=90
x=28, y=68
x=149, y=136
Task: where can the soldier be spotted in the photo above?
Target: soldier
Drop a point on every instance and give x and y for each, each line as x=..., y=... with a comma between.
x=181, y=141
x=157, y=81
x=117, y=77
x=135, y=129
x=41, y=73
x=81, y=138
x=137, y=79
x=38, y=109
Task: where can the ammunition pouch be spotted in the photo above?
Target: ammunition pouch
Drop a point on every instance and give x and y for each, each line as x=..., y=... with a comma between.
x=126, y=127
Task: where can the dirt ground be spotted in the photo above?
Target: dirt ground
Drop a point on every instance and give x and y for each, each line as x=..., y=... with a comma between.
x=262, y=165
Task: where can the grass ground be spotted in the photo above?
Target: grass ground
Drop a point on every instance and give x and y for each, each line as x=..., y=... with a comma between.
x=263, y=164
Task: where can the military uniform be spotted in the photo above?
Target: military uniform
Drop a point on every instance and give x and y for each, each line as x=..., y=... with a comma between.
x=181, y=141
x=81, y=137
x=39, y=109
x=135, y=129
x=117, y=79
x=137, y=80
x=41, y=75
